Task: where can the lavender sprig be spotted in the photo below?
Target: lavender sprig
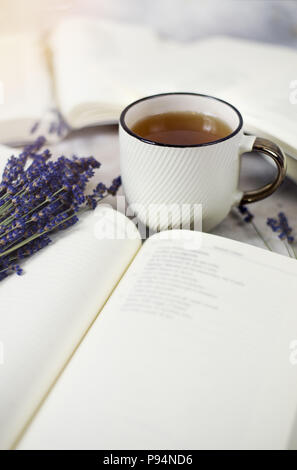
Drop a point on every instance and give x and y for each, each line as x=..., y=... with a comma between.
x=56, y=125
x=249, y=218
x=41, y=198
x=281, y=226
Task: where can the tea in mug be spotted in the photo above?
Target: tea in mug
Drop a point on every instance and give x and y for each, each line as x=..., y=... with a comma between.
x=181, y=128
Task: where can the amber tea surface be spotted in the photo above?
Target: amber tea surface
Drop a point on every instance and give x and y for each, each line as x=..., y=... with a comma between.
x=181, y=128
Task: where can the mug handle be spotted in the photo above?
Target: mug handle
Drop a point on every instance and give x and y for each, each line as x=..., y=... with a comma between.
x=260, y=145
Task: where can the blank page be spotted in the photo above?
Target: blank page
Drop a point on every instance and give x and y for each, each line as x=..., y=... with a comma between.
x=192, y=351
x=45, y=312
x=26, y=93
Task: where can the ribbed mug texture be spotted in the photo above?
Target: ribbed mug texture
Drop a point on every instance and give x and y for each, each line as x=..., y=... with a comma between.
x=175, y=176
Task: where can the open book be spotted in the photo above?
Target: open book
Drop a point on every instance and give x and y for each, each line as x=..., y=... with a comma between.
x=90, y=69
x=194, y=346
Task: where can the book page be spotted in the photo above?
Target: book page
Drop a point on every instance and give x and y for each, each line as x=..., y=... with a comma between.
x=26, y=94
x=94, y=68
x=261, y=85
x=101, y=66
x=45, y=312
x=192, y=351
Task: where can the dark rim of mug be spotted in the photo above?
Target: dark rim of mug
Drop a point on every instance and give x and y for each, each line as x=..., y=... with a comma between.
x=152, y=142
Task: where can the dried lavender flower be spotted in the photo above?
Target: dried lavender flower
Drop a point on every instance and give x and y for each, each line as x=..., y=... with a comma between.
x=281, y=226
x=41, y=198
x=249, y=218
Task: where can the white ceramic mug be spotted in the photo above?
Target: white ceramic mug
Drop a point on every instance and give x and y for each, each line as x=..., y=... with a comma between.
x=156, y=174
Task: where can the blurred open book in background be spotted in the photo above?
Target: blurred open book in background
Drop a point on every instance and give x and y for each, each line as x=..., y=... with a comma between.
x=88, y=70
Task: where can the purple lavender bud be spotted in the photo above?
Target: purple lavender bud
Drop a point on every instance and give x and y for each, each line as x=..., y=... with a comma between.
x=18, y=269
x=34, y=127
x=282, y=236
x=273, y=224
x=245, y=211
x=242, y=209
x=286, y=229
x=116, y=183
x=248, y=218
x=92, y=202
